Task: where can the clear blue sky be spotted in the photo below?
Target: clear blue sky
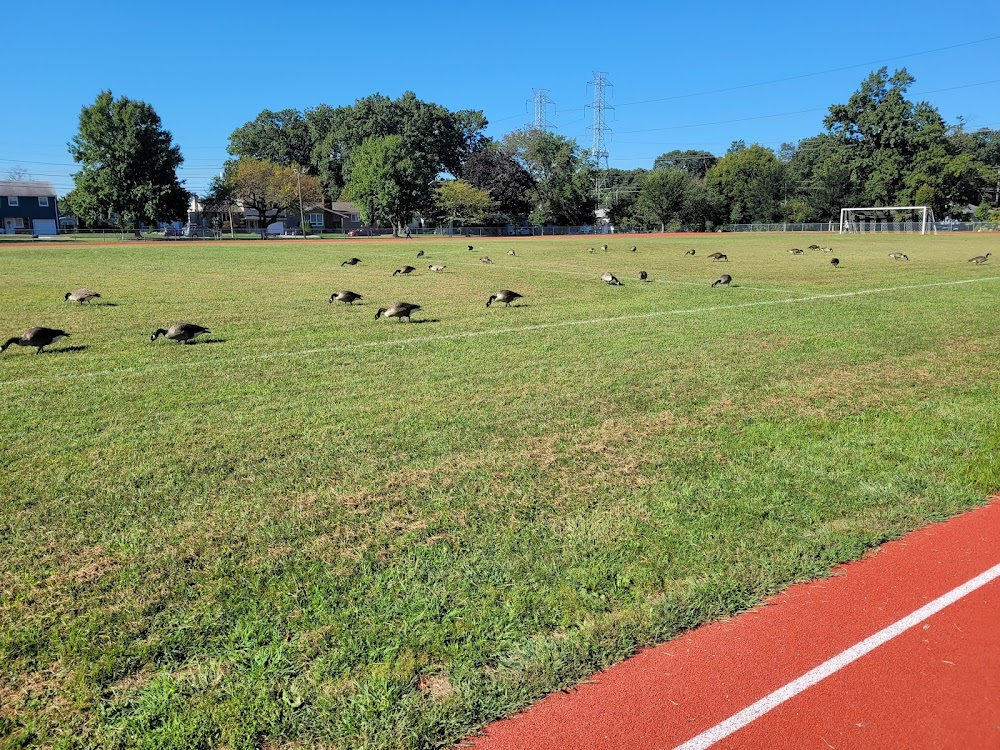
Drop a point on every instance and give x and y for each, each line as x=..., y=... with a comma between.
x=209, y=67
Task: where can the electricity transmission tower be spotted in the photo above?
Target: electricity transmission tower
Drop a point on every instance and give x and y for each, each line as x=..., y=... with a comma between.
x=541, y=101
x=600, y=127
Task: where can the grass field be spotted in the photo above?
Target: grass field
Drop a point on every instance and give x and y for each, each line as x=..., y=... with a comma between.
x=315, y=529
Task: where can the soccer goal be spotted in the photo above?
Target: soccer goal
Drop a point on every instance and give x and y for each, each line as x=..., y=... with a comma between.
x=888, y=219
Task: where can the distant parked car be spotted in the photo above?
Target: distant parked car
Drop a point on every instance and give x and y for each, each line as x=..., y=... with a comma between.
x=193, y=230
x=171, y=231
x=586, y=230
x=364, y=232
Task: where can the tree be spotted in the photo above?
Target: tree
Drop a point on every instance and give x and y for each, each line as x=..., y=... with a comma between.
x=221, y=197
x=384, y=182
x=663, y=194
x=694, y=162
x=751, y=184
x=564, y=176
x=508, y=183
x=129, y=172
x=18, y=172
x=460, y=202
x=270, y=189
x=279, y=137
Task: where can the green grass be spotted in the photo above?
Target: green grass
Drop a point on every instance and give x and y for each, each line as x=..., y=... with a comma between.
x=326, y=530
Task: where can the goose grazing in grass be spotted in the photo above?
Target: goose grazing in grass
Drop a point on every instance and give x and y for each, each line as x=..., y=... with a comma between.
x=404, y=270
x=723, y=280
x=814, y=247
x=604, y=248
x=420, y=253
x=485, y=259
x=835, y=262
x=436, y=267
x=827, y=249
x=634, y=248
x=504, y=295
x=690, y=252
x=471, y=248
x=511, y=253
x=397, y=310
x=38, y=337
x=610, y=278
x=980, y=259
x=346, y=297
x=81, y=295
x=795, y=251
x=351, y=262
x=180, y=332
x=590, y=249
x=899, y=256
x=643, y=276
x=719, y=256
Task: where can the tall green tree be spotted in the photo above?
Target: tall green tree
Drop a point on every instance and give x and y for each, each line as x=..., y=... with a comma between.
x=462, y=203
x=508, y=183
x=279, y=137
x=663, y=193
x=564, y=192
x=129, y=165
x=751, y=183
x=384, y=182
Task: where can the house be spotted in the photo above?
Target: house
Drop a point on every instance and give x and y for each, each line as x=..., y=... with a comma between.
x=340, y=217
x=28, y=208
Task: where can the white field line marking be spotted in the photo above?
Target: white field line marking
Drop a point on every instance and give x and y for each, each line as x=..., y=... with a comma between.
x=596, y=277
x=476, y=334
x=769, y=702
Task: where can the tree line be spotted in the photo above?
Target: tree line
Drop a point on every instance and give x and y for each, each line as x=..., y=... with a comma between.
x=396, y=159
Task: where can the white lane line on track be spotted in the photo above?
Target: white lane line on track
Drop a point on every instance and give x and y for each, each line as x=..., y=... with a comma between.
x=477, y=334
x=769, y=702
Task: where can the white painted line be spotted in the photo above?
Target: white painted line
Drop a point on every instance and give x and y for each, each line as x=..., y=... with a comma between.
x=769, y=702
x=476, y=334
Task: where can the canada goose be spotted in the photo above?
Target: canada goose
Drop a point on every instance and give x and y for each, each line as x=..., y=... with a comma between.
x=404, y=270
x=180, y=332
x=511, y=253
x=590, y=249
x=814, y=247
x=723, y=280
x=345, y=296
x=980, y=259
x=835, y=262
x=437, y=267
x=420, y=253
x=634, y=248
x=81, y=295
x=827, y=249
x=37, y=337
x=471, y=248
x=690, y=252
x=398, y=310
x=504, y=295
x=604, y=248
x=795, y=251
x=899, y=256
x=351, y=262
x=610, y=278
x=643, y=276
x=485, y=259
x=719, y=256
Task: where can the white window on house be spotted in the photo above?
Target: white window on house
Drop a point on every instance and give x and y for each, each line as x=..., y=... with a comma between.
x=355, y=218
x=12, y=200
x=19, y=222
x=43, y=201
x=315, y=220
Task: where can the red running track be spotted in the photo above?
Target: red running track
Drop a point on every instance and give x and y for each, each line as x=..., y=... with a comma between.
x=933, y=685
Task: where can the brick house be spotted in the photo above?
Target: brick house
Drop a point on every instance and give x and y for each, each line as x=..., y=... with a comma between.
x=28, y=208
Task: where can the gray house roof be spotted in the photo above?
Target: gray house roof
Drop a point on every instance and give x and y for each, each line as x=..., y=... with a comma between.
x=22, y=188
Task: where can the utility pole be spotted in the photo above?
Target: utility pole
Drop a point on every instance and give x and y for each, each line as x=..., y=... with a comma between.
x=302, y=217
x=599, y=150
x=541, y=101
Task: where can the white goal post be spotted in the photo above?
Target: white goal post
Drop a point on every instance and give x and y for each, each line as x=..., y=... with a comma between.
x=888, y=219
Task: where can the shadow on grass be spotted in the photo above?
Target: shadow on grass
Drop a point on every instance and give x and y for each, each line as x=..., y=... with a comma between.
x=66, y=350
x=105, y=304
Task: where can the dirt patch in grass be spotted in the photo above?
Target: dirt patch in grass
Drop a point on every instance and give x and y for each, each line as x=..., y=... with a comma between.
x=436, y=687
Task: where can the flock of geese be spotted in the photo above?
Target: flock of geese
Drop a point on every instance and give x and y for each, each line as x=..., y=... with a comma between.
x=40, y=337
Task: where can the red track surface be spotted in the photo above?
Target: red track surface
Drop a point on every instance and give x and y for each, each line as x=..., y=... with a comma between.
x=937, y=685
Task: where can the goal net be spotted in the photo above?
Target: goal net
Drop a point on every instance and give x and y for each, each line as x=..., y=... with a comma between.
x=888, y=219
